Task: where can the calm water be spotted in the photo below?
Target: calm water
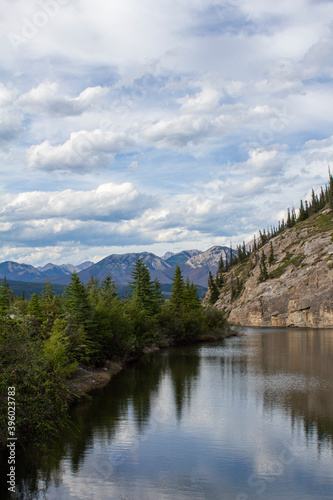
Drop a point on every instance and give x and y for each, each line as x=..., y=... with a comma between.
x=247, y=418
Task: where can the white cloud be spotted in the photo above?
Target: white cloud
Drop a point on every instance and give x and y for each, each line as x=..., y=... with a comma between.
x=110, y=202
x=83, y=152
x=46, y=98
x=205, y=101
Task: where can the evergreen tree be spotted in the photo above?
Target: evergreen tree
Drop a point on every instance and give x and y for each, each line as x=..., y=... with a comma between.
x=221, y=265
x=195, y=302
x=191, y=298
x=76, y=303
x=236, y=288
x=92, y=289
x=314, y=202
x=213, y=289
x=158, y=298
x=219, y=281
x=5, y=297
x=142, y=288
x=321, y=199
x=177, y=290
x=34, y=308
x=219, y=275
x=108, y=289
x=263, y=276
x=330, y=190
x=231, y=261
x=244, y=251
x=302, y=212
x=50, y=305
x=271, y=257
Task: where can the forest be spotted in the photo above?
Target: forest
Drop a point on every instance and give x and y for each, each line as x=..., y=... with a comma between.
x=44, y=339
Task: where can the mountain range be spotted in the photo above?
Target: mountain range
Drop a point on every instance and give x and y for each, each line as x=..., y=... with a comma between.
x=194, y=264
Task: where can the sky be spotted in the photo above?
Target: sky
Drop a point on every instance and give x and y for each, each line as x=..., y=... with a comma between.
x=158, y=125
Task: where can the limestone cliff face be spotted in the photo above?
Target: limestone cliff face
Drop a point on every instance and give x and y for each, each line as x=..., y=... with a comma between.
x=299, y=291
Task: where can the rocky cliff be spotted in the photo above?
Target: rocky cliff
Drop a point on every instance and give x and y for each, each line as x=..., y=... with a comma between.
x=299, y=288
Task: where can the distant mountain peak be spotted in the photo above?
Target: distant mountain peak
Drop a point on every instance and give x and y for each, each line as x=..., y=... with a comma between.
x=167, y=255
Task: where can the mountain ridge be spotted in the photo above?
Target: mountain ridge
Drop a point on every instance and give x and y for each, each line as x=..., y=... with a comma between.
x=195, y=264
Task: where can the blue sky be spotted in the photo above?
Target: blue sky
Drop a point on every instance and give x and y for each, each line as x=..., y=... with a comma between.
x=169, y=125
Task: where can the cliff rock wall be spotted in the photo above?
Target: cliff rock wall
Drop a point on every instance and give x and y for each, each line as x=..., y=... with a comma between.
x=299, y=291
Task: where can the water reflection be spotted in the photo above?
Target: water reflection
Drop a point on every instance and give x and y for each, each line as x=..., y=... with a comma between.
x=239, y=419
x=298, y=372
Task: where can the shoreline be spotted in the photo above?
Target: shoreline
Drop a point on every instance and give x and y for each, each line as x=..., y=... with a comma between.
x=86, y=380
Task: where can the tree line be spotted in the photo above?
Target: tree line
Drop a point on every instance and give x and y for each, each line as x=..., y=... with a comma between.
x=244, y=254
x=44, y=339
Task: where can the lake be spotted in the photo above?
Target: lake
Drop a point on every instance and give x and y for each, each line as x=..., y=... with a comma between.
x=250, y=417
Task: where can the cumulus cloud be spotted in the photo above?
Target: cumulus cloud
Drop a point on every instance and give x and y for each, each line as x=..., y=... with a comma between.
x=83, y=152
x=46, y=98
x=205, y=101
x=110, y=202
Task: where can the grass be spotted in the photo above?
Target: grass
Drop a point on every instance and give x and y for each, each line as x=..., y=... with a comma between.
x=295, y=261
x=318, y=223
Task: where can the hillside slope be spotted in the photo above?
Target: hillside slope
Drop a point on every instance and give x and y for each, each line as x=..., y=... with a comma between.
x=299, y=290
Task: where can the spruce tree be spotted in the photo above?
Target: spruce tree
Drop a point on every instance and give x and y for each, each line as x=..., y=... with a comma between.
x=330, y=190
x=142, y=287
x=263, y=275
x=157, y=295
x=213, y=289
x=108, y=289
x=302, y=213
x=219, y=274
x=177, y=290
x=77, y=304
x=5, y=297
x=271, y=257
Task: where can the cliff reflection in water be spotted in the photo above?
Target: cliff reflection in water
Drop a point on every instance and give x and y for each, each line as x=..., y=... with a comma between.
x=298, y=369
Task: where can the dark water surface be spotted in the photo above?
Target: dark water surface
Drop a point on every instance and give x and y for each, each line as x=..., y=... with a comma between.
x=247, y=418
